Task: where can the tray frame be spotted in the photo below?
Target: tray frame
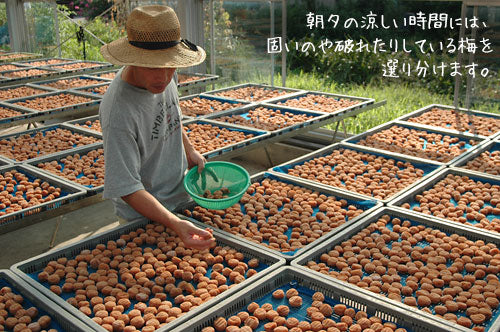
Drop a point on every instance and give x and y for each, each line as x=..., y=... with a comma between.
x=400, y=213
x=36, y=263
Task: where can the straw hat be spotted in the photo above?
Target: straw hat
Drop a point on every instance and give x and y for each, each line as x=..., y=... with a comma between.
x=153, y=40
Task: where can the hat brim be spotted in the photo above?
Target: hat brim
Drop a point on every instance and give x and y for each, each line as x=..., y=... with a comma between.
x=121, y=52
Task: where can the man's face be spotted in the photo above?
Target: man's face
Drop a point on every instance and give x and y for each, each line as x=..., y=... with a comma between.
x=155, y=80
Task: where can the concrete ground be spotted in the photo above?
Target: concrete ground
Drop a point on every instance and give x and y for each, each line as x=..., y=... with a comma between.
x=74, y=226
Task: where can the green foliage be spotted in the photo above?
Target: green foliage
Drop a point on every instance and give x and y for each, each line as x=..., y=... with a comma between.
x=106, y=31
x=40, y=19
x=3, y=14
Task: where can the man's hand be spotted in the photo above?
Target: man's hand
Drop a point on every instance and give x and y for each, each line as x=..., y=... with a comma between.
x=195, y=158
x=194, y=237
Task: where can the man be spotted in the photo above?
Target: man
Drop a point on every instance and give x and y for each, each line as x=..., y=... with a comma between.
x=145, y=147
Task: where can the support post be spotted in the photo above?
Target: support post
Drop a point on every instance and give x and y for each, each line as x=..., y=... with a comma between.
x=283, y=39
x=18, y=29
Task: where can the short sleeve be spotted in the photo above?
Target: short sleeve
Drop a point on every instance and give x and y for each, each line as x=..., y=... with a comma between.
x=122, y=163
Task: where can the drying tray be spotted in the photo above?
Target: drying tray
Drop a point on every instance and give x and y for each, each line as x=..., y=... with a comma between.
x=90, y=190
x=17, y=65
x=44, y=84
x=97, y=66
x=289, y=91
x=317, y=117
x=93, y=90
x=259, y=135
x=28, y=216
x=34, y=63
x=487, y=145
x=80, y=123
x=33, y=132
x=44, y=89
x=23, y=116
x=100, y=73
x=428, y=166
x=201, y=79
x=4, y=80
x=60, y=320
x=461, y=136
x=428, y=222
x=307, y=284
x=425, y=109
x=409, y=196
x=216, y=98
x=363, y=102
x=352, y=199
x=13, y=56
x=92, y=104
x=29, y=269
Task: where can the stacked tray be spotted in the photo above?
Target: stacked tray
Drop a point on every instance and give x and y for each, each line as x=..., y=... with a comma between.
x=106, y=75
x=281, y=119
x=201, y=105
x=10, y=77
x=194, y=79
x=88, y=123
x=12, y=66
x=252, y=92
x=430, y=142
x=476, y=123
x=335, y=295
x=211, y=133
x=78, y=102
x=324, y=170
x=95, y=173
x=116, y=239
x=265, y=228
x=97, y=90
x=22, y=91
x=44, y=61
x=328, y=103
x=67, y=194
x=9, y=115
x=81, y=66
x=485, y=158
x=60, y=320
x=71, y=82
x=457, y=196
x=80, y=133
x=13, y=56
x=433, y=270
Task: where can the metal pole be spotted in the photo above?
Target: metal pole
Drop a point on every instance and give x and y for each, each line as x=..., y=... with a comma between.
x=283, y=38
x=212, y=39
x=58, y=36
x=460, y=56
x=271, y=8
x=470, y=79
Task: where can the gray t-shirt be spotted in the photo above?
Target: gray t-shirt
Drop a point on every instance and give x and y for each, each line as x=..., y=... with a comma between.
x=143, y=146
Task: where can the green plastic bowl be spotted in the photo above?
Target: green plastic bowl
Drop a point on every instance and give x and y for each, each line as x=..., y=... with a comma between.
x=217, y=174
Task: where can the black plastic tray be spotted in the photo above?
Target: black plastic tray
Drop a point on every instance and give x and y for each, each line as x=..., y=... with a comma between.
x=425, y=109
x=446, y=227
x=61, y=320
x=486, y=146
x=46, y=128
x=28, y=270
x=99, y=65
x=259, y=135
x=289, y=91
x=24, y=114
x=362, y=102
x=316, y=117
x=69, y=194
x=92, y=104
x=201, y=79
x=79, y=123
x=45, y=89
x=44, y=84
x=307, y=284
x=352, y=199
x=461, y=136
x=428, y=166
x=90, y=190
x=409, y=197
x=216, y=98
x=92, y=89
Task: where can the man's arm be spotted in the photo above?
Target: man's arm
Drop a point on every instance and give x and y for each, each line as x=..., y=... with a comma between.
x=148, y=206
